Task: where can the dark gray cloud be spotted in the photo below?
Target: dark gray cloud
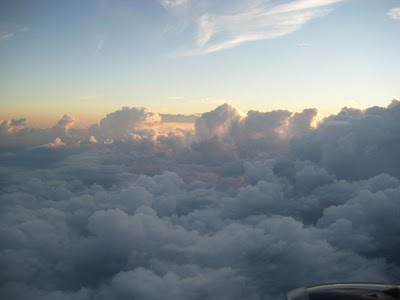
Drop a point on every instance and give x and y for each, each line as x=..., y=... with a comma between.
x=241, y=207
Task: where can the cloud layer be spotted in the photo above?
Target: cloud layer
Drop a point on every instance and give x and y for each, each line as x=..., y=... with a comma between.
x=240, y=207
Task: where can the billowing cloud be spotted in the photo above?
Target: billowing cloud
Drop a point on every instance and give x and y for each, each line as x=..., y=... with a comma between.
x=247, y=21
x=173, y=3
x=125, y=121
x=240, y=207
x=6, y=36
x=355, y=144
x=65, y=123
x=12, y=126
x=57, y=143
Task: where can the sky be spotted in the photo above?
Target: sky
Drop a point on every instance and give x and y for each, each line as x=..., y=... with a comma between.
x=197, y=149
x=89, y=58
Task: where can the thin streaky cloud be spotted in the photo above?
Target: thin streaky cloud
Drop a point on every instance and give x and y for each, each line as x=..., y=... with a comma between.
x=173, y=3
x=301, y=5
x=216, y=32
x=89, y=97
x=394, y=13
x=6, y=36
x=100, y=44
x=24, y=29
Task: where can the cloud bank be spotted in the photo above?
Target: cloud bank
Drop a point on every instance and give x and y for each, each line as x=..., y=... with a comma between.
x=240, y=207
x=247, y=21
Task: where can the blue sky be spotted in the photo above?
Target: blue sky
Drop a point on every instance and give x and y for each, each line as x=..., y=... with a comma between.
x=88, y=58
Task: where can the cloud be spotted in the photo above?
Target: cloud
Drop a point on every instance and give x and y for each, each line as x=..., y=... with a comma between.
x=173, y=3
x=65, y=123
x=25, y=29
x=89, y=97
x=92, y=139
x=257, y=20
x=6, y=36
x=304, y=45
x=57, y=143
x=12, y=126
x=124, y=121
x=354, y=144
x=394, y=13
x=100, y=44
x=245, y=206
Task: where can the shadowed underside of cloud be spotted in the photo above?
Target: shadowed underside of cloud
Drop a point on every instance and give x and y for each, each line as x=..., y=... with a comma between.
x=240, y=207
x=248, y=20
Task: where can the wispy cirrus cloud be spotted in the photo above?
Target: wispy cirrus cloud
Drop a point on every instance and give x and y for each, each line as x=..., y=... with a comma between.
x=6, y=36
x=25, y=29
x=173, y=3
x=100, y=40
x=12, y=32
x=250, y=21
x=394, y=13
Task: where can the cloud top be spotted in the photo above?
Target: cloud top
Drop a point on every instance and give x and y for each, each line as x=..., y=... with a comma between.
x=241, y=206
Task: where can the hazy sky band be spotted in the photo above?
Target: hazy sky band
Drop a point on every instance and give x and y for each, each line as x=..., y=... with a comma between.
x=89, y=58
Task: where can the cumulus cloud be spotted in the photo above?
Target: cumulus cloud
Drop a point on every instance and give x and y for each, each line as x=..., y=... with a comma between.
x=6, y=36
x=355, y=144
x=92, y=139
x=173, y=3
x=15, y=132
x=12, y=126
x=244, y=206
x=57, y=143
x=125, y=121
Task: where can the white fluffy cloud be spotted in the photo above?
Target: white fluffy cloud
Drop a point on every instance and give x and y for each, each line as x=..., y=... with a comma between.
x=243, y=206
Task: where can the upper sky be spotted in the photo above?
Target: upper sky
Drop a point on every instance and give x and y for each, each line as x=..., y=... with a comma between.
x=88, y=58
